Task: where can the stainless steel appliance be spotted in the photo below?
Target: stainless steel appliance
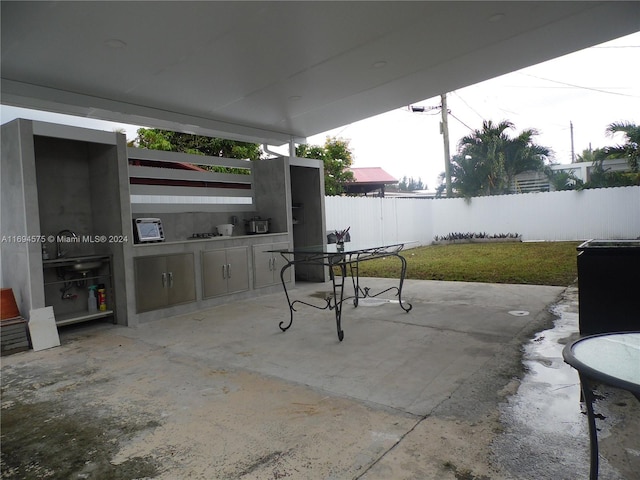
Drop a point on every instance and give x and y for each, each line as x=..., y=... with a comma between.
x=257, y=225
x=146, y=230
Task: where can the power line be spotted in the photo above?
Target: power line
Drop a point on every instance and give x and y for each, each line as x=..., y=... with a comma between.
x=469, y=106
x=479, y=115
x=579, y=86
x=619, y=46
x=460, y=121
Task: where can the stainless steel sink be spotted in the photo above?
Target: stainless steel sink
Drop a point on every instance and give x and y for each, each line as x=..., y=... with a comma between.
x=84, y=266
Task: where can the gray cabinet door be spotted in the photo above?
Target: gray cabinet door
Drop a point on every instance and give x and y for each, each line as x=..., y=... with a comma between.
x=181, y=280
x=238, y=271
x=214, y=277
x=151, y=283
x=225, y=271
x=267, y=265
x=262, y=266
x=164, y=280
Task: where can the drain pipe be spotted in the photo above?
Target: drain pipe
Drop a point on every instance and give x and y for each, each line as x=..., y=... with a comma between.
x=265, y=147
x=292, y=149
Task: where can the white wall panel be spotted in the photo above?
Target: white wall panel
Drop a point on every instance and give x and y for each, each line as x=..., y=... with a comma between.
x=605, y=213
x=375, y=220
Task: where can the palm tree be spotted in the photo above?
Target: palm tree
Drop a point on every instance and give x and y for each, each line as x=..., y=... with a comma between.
x=631, y=149
x=467, y=176
x=522, y=155
x=491, y=159
x=589, y=155
x=563, y=180
x=484, y=151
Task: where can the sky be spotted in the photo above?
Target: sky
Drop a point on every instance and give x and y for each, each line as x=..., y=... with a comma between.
x=590, y=89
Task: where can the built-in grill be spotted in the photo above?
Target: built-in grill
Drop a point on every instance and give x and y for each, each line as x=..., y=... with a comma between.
x=197, y=236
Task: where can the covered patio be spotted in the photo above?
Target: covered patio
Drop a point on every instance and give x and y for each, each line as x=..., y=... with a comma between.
x=223, y=393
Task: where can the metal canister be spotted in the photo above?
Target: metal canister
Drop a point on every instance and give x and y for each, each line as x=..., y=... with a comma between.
x=102, y=298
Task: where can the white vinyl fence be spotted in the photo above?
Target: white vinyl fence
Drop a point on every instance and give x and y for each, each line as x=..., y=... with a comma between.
x=381, y=220
x=604, y=213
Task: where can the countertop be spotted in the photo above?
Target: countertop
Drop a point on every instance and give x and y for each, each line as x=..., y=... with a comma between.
x=218, y=238
x=64, y=260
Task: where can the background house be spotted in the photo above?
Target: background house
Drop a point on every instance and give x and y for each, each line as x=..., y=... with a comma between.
x=369, y=181
x=539, y=181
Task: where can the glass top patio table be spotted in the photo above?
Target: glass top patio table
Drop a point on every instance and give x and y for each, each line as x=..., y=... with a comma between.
x=609, y=358
x=348, y=248
x=612, y=358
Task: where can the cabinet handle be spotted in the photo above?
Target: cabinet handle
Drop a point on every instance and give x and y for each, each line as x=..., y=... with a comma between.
x=228, y=270
x=164, y=280
x=271, y=264
x=224, y=271
x=170, y=279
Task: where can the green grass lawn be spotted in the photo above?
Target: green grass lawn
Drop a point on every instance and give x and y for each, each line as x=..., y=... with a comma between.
x=533, y=263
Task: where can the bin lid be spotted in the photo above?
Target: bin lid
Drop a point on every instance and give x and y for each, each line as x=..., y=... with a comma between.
x=614, y=245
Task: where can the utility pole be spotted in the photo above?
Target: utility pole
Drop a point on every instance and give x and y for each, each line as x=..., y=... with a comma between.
x=573, y=153
x=444, y=129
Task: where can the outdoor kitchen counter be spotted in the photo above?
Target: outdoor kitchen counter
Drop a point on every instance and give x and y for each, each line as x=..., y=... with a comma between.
x=218, y=238
x=198, y=244
x=186, y=266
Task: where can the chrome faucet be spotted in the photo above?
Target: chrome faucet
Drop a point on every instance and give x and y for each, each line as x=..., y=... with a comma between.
x=67, y=233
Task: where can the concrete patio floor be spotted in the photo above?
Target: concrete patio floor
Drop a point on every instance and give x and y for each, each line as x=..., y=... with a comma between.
x=224, y=394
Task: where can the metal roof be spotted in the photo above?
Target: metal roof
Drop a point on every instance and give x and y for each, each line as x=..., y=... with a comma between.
x=372, y=175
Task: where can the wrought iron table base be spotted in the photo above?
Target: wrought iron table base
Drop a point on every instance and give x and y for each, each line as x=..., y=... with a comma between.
x=340, y=261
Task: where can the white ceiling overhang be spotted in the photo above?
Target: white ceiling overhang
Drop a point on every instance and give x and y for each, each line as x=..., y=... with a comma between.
x=271, y=71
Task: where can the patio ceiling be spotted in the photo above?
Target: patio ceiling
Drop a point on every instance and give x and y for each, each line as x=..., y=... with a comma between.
x=272, y=71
